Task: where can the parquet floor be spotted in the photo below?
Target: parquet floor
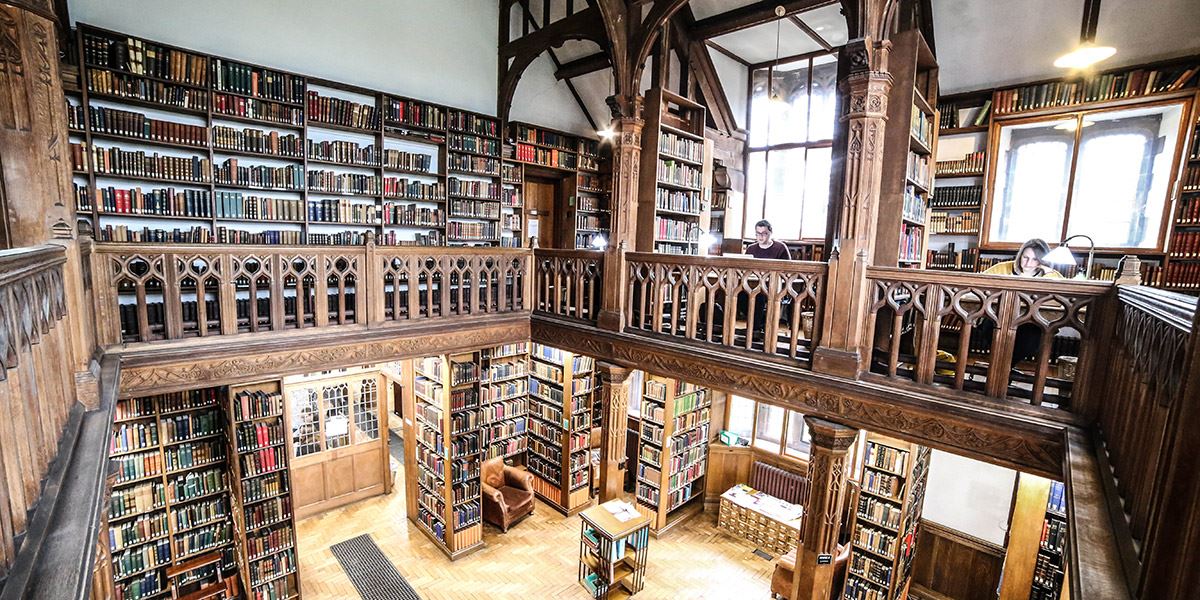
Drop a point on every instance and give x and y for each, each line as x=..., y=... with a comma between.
x=537, y=559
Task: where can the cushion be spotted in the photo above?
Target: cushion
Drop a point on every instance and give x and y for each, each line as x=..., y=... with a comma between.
x=515, y=499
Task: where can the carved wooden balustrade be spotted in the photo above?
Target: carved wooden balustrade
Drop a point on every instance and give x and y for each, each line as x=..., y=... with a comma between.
x=1005, y=337
x=568, y=283
x=145, y=293
x=1143, y=386
x=37, y=387
x=767, y=307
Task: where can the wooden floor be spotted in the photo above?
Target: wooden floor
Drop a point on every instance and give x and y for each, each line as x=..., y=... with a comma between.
x=536, y=559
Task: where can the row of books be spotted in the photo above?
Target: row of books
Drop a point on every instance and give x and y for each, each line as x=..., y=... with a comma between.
x=256, y=81
x=257, y=141
x=476, y=165
x=677, y=200
x=964, y=223
x=1184, y=244
x=336, y=111
x=137, y=125
x=547, y=156
x=250, y=108
x=959, y=196
x=1107, y=86
x=287, y=178
x=474, y=209
x=913, y=208
x=949, y=118
x=912, y=242
x=1191, y=179
x=949, y=260
x=235, y=205
x=332, y=210
x=415, y=113
x=473, y=189
x=534, y=135
x=460, y=231
x=115, y=161
x=474, y=144
x=677, y=173
x=373, y=185
x=589, y=222
x=156, y=202
x=590, y=182
x=921, y=126
x=140, y=57
x=108, y=83
x=971, y=164
x=412, y=215
x=675, y=230
x=472, y=123
x=681, y=147
x=918, y=169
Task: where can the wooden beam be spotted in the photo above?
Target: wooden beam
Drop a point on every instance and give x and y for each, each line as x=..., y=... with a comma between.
x=704, y=73
x=558, y=66
x=816, y=37
x=582, y=66
x=749, y=16
x=583, y=25
x=727, y=53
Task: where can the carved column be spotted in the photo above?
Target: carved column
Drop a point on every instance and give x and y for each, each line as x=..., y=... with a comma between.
x=842, y=350
x=827, y=472
x=614, y=382
x=627, y=157
x=36, y=196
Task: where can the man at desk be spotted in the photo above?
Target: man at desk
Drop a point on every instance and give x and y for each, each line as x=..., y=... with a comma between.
x=764, y=246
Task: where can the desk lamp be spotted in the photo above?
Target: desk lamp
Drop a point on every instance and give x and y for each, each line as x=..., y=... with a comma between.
x=1061, y=255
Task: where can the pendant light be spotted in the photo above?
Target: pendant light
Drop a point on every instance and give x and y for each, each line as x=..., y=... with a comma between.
x=1087, y=53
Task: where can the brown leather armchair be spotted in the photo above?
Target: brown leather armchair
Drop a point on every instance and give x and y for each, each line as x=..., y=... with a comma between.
x=785, y=567
x=507, y=493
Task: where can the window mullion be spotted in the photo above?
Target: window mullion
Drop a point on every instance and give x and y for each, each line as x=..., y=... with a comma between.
x=1066, y=226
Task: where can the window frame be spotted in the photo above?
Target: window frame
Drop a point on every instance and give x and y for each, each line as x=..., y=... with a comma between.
x=993, y=163
x=854, y=454
x=768, y=147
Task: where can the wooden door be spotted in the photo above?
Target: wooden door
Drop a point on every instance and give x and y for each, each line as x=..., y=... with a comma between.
x=540, y=196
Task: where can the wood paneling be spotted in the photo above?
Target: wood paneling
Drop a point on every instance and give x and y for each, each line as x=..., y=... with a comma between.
x=540, y=196
x=955, y=564
x=1024, y=536
x=727, y=466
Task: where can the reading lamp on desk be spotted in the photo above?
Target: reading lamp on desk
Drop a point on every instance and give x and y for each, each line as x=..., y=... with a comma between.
x=1061, y=255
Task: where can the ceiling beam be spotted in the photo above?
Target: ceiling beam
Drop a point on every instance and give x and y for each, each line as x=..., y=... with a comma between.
x=583, y=65
x=751, y=15
x=723, y=50
x=554, y=58
x=816, y=37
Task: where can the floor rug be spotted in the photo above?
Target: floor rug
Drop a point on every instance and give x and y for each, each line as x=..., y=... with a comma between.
x=373, y=575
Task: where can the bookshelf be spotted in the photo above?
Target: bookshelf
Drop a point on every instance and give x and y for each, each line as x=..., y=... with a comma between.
x=675, y=151
x=578, y=163
x=672, y=450
x=884, y=524
x=561, y=387
x=1181, y=268
x=967, y=129
x=170, y=493
x=448, y=452
x=504, y=401
x=1049, y=572
x=612, y=552
x=173, y=145
x=264, y=519
x=908, y=153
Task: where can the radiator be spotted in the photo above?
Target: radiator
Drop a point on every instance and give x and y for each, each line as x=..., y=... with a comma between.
x=785, y=485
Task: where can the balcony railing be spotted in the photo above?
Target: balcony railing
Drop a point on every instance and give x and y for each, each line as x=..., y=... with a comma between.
x=1023, y=339
x=36, y=382
x=568, y=283
x=148, y=293
x=764, y=307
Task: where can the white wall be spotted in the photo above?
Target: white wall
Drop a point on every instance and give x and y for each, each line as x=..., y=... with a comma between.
x=543, y=100
x=735, y=79
x=437, y=50
x=969, y=496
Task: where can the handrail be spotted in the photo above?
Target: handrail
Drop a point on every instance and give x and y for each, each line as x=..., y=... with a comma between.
x=989, y=334
x=37, y=390
x=147, y=292
x=568, y=283
x=766, y=307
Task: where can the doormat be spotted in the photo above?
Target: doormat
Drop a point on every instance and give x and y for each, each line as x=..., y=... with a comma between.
x=762, y=555
x=373, y=575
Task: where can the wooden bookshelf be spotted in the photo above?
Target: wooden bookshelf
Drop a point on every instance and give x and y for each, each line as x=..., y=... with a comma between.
x=672, y=450
x=170, y=493
x=1034, y=565
x=504, y=401
x=909, y=154
x=581, y=166
x=612, y=553
x=448, y=452
x=561, y=387
x=270, y=156
x=884, y=525
x=264, y=519
x=676, y=172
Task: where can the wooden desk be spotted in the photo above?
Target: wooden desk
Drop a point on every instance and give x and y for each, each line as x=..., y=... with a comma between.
x=755, y=516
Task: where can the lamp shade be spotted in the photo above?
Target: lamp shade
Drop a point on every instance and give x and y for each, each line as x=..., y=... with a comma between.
x=1060, y=256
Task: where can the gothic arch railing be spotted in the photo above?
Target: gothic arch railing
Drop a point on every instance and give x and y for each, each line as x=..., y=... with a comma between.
x=146, y=293
x=568, y=283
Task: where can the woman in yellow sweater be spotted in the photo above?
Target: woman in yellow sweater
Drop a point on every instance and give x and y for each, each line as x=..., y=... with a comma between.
x=1028, y=262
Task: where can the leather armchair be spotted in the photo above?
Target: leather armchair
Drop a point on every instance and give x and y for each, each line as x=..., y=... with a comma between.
x=785, y=567
x=507, y=493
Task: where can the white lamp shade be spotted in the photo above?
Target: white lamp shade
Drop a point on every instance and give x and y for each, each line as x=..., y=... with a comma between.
x=1059, y=256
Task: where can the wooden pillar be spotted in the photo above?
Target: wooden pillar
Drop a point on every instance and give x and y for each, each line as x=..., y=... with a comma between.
x=614, y=382
x=626, y=160
x=847, y=294
x=827, y=473
x=36, y=194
